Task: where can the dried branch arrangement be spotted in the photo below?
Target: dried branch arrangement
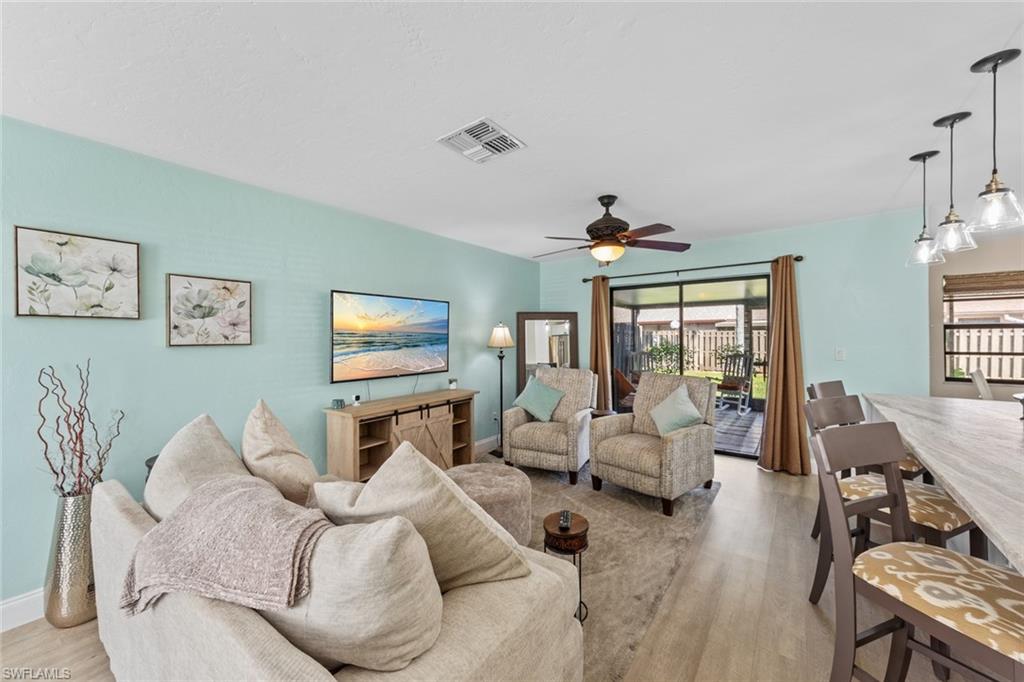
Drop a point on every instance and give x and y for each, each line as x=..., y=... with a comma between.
x=72, y=447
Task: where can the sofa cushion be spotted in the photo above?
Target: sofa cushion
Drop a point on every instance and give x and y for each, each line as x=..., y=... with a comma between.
x=577, y=385
x=675, y=412
x=271, y=453
x=466, y=545
x=538, y=399
x=521, y=629
x=636, y=452
x=372, y=602
x=550, y=437
x=194, y=455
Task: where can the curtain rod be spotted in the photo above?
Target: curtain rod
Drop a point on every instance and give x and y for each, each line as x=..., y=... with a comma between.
x=708, y=267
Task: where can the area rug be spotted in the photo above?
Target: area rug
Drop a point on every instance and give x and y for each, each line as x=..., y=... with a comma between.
x=634, y=553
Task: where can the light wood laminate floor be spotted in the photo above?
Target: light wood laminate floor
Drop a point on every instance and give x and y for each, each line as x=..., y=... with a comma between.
x=737, y=608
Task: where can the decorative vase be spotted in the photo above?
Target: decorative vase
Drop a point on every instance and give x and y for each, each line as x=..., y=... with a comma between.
x=69, y=594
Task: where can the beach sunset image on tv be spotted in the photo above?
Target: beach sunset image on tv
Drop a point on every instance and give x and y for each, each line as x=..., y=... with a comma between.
x=386, y=336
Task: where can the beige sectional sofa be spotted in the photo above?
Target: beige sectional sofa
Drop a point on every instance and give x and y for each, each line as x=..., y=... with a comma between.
x=520, y=629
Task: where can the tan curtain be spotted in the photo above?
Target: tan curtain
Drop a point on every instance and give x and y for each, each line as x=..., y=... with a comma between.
x=601, y=341
x=784, y=441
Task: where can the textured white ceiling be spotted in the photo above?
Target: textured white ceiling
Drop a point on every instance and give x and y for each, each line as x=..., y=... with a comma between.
x=718, y=119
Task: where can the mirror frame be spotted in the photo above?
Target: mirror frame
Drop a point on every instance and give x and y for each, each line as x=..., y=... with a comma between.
x=574, y=341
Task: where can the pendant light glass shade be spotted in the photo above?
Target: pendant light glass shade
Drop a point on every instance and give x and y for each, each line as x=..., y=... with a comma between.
x=925, y=250
x=953, y=235
x=997, y=207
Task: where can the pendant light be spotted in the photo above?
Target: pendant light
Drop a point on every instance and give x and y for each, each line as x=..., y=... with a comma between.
x=926, y=250
x=953, y=235
x=997, y=207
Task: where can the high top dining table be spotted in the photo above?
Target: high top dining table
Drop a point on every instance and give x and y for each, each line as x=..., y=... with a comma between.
x=975, y=451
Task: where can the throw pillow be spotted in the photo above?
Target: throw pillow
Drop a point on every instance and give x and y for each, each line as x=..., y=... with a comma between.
x=197, y=453
x=373, y=601
x=271, y=453
x=466, y=545
x=538, y=399
x=676, y=411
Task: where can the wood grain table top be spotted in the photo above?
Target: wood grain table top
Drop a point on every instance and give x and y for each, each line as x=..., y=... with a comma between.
x=975, y=451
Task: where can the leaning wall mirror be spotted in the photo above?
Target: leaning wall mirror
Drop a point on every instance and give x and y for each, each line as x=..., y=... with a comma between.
x=545, y=340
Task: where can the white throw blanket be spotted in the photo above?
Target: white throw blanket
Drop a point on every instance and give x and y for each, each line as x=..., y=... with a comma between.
x=234, y=538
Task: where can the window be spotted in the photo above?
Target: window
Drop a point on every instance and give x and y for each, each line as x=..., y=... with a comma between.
x=983, y=326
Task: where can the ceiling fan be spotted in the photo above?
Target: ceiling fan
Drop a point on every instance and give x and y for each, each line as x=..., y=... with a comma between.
x=609, y=236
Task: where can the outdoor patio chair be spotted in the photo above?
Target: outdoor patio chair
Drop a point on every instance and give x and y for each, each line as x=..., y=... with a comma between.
x=737, y=382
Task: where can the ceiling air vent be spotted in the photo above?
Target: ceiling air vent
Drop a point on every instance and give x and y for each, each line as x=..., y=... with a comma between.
x=481, y=141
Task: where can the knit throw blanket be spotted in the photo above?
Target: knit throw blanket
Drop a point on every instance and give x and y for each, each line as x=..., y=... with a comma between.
x=234, y=538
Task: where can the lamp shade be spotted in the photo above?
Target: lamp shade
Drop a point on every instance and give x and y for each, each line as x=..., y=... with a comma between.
x=607, y=250
x=997, y=208
x=953, y=235
x=925, y=252
x=501, y=337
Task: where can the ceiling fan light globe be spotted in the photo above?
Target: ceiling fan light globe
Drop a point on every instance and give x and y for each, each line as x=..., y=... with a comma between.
x=953, y=235
x=607, y=250
x=997, y=208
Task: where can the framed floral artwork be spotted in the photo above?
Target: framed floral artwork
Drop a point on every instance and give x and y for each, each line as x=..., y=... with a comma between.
x=208, y=311
x=60, y=274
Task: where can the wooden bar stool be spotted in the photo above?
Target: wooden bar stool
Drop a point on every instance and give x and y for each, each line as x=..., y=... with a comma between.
x=935, y=517
x=910, y=467
x=966, y=602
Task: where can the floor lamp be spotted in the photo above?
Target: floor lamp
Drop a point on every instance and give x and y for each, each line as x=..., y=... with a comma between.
x=501, y=338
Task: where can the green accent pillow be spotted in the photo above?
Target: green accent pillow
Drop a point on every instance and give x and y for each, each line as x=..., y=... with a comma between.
x=539, y=399
x=676, y=411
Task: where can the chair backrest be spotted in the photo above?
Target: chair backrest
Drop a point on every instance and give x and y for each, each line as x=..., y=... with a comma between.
x=858, y=446
x=981, y=383
x=825, y=412
x=738, y=368
x=826, y=389
x=578, y=385
x=654, y=388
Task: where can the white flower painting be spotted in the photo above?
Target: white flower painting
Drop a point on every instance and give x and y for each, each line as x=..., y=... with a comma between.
x=204, y=311
x=59, y=274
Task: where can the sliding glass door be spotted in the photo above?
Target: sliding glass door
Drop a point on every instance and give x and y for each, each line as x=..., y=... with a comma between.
x=710, y=328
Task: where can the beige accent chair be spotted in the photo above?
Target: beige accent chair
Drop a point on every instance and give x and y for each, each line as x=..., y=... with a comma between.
x=627, y=449
x=562, y=444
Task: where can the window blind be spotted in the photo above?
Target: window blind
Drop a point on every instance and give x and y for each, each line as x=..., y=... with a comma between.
x=1006, y=283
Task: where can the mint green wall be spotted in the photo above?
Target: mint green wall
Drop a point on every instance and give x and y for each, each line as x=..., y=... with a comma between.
x=294, y=252
x=853, y=291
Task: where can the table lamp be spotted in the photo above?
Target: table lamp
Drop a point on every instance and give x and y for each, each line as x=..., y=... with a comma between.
x=501, y=338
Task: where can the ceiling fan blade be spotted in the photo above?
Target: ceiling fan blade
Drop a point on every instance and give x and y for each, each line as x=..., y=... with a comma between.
x=648, y=230
x=571, y=248
x=569, y=239
x=678, y=247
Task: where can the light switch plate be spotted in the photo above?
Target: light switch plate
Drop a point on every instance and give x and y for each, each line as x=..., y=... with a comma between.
x=840, y=354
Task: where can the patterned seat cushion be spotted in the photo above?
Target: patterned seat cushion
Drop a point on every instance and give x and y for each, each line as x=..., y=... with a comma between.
x=910, y=464
x=550, y=437
x=636, y=452
x=927, y=505
x=974, y=597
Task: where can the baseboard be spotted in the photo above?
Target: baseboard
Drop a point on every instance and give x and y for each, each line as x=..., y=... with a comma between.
x=485, y=445
x=22, y=609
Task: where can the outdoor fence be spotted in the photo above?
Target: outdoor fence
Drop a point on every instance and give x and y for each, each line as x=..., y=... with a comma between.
x=980, y=348
x=703, y=349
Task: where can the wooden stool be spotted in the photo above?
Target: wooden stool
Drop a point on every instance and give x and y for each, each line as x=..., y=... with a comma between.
x=572, y=542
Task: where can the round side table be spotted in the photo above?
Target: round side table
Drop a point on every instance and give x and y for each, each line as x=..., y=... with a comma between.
x=572, y=542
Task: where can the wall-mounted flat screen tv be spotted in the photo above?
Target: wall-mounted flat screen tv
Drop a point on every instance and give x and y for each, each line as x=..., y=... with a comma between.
x=386, y=336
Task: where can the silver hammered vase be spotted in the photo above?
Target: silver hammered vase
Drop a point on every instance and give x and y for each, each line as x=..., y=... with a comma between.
x=69, y=594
